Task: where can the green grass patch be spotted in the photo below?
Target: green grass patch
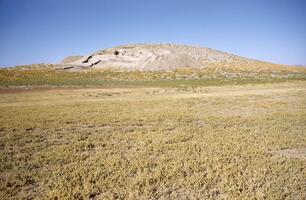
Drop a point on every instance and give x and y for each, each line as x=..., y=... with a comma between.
x=112, y=78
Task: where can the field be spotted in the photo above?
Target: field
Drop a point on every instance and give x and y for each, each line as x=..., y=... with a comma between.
x=210, y=76
x=214, y=141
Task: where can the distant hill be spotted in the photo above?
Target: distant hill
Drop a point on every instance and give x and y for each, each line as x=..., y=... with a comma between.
x=162, y=57
x=151, y=65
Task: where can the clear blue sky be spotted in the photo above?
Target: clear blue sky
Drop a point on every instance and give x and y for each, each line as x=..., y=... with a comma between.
x=36, y=31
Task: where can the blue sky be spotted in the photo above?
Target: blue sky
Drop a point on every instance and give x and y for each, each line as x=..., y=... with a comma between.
x=36, y=31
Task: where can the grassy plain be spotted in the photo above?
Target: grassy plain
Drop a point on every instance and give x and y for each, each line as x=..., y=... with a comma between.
x=211, y=76
x=213, y=142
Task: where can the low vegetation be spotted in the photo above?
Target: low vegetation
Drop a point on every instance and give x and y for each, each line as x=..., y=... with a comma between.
x=212, y=76
x=220, y=142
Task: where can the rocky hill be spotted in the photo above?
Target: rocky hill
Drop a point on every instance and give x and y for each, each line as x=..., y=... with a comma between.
x=161, y=57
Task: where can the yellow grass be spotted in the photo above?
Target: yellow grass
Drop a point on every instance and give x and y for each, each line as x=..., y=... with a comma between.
x=227, y=142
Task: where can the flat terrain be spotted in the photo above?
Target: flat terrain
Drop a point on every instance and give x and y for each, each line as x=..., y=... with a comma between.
x=213, y=142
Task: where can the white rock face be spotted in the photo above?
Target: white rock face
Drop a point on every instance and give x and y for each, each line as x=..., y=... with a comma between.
x=152, y=57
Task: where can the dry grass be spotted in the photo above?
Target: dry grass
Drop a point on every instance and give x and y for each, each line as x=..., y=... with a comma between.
x=154, y=143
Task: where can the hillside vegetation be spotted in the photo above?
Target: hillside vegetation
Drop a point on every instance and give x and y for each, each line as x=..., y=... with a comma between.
x=27, y=76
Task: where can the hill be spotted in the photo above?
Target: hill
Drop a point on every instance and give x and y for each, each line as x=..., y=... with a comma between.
x=162, y=57
x=151, y=65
